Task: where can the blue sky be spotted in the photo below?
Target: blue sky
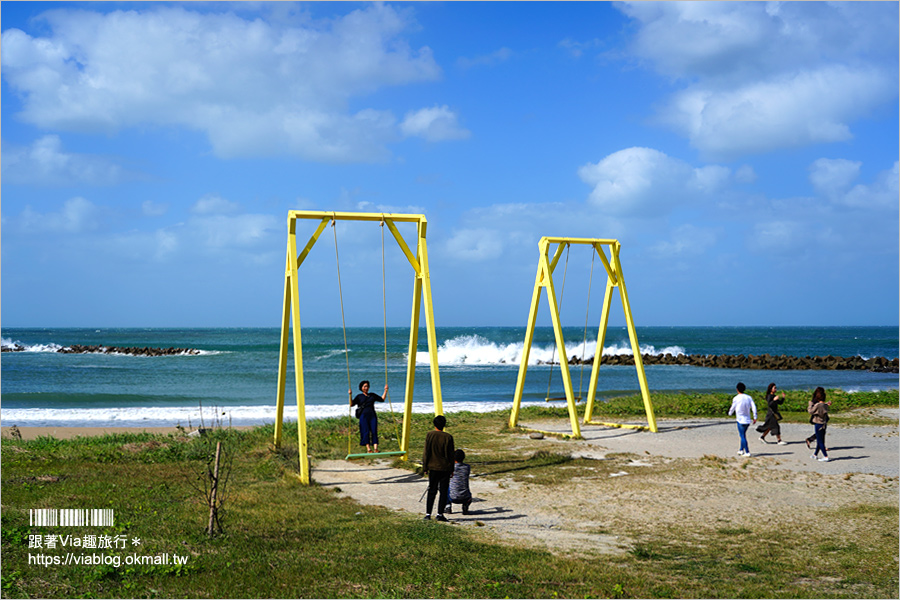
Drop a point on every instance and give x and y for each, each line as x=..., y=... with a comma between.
x=744, y=154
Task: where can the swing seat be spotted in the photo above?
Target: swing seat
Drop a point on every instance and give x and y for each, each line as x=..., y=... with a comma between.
x=559, y=398
x=368, y=454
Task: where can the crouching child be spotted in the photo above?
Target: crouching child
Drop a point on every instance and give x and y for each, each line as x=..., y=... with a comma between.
x=459, y=483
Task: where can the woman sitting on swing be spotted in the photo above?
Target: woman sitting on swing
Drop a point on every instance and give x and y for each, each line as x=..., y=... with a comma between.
x=368, y=420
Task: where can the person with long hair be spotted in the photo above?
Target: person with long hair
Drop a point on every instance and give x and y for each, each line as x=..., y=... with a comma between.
x=818, y=410
x=773, y=415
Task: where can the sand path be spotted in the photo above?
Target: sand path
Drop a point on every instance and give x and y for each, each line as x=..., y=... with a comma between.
x=637, y=481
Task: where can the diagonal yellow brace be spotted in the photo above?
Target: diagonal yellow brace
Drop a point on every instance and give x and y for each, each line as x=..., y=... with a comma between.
x=609, y=270
x=312, y=240
x=402, y=243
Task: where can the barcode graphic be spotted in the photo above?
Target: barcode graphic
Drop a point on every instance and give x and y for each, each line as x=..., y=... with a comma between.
x=71, y=517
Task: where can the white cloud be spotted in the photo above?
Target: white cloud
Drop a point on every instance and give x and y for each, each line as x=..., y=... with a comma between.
x=165, y=244
x=154, y=209
x=487, y=60
x=685, y=241
x=434, y=124
x=796, y=110
x=476, y=244
x=213, y=204
x=218, y=232
x=576, y=48
x=644, y=181
x=77, y=215
x=745, y=174
x=761, y=76
x=834, y=179
x=45, y=162
x=255, y=88
x=782, y=237
x=247, y=238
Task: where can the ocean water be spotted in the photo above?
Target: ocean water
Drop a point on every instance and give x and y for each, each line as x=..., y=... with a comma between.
x=233, y=379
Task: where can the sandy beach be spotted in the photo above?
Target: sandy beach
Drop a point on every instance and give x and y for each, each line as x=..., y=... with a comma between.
x=66, y=433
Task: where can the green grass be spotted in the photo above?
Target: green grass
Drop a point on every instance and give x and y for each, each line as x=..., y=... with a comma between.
x=283, y=539
x=697, y=405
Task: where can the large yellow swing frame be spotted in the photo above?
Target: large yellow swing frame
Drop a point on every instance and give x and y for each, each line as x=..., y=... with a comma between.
x=422, y=285
x=544, y=279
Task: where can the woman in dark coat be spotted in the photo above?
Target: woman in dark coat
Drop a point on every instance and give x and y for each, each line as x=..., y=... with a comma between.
x=772, y=415
x=368, y=420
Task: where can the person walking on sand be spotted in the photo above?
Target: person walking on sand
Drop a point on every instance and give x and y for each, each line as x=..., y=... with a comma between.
x=744, y=409
x=437, y=463
x=773, y=415
x=818, y=409
x=368, y=419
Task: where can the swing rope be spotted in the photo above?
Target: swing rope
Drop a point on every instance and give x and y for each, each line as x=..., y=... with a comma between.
x=559, y=308
x=387, y=395
x=586, y=313
x=344, y=329
x=384, y=314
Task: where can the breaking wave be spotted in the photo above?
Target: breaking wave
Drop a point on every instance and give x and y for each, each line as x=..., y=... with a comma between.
x=478, y=350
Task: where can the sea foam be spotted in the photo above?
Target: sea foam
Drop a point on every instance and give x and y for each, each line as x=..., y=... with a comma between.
x=170, y=416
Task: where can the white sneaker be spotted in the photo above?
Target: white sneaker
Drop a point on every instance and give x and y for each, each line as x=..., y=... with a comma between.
x=747, y=455
x=814, y=457
x=740, y=452
x=823, y=459
x=782, y=443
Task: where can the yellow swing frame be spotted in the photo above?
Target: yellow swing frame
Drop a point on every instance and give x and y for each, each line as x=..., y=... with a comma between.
x=615, y=279
x=291, y=315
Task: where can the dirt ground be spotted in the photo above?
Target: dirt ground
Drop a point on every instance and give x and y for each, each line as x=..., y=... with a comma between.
x=688, y=473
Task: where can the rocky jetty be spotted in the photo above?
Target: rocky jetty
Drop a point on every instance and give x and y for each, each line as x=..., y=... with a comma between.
x=133, y=351
x=765, y=362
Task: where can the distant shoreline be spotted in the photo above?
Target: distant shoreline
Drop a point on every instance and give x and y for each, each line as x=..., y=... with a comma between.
x=70, y=432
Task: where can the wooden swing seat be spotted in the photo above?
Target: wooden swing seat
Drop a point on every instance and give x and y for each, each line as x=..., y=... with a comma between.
x=560, y=398
x=368, y=454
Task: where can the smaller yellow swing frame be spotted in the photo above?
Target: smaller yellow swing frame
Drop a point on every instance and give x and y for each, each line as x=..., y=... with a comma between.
x=615, y=279
x=291, y=313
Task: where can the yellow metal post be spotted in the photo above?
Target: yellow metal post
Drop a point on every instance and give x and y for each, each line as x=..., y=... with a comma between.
x=598, y=352
x=411, y=362
x=632, y=335
x=283, y=350
x=429, y=321
x=298, y=355
x=526, y=350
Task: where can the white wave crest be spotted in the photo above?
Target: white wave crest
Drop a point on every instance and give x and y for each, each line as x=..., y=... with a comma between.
x=10, y=345
x=15, y=346
x=477, y=350
x=330, y=354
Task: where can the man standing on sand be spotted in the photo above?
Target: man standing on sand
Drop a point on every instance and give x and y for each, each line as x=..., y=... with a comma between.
x=437, y=463
x=744, y=409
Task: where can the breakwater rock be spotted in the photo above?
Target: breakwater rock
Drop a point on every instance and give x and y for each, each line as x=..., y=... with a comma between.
x=765, y=362
x=133, y=351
